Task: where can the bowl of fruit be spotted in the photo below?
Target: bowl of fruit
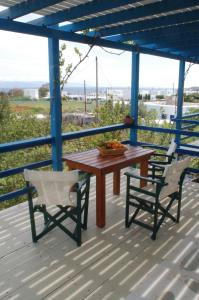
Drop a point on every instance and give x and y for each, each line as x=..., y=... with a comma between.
x=111, y=148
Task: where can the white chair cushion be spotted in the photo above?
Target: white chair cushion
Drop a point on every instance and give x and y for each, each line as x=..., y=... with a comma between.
x=172, y=147
x=53, y=187
x=172, y=175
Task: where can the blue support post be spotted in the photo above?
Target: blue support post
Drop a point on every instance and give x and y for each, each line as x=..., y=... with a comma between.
x=180, y=99
x=55, y=103
x=134, y=95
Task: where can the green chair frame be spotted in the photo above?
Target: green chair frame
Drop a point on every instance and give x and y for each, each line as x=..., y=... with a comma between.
x=149, y=199
x=160, y=160
x=78, y=213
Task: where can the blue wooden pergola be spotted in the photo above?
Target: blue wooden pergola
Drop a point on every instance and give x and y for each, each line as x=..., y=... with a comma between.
x=164, y=28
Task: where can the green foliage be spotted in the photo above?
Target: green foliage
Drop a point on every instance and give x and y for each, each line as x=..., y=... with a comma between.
x=142, y=110
x=149, y=118
x=16, y=127
x=23, y=126
x=146, y=97
x=192, y=98
x=159, y=97
x=4, y=108
x=43, y=90
x=14, y=93
x=112, y=114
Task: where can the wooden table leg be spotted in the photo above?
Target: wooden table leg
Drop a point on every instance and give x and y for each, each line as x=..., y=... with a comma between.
x=116, y=182
x=100, y=200
x=143, y=171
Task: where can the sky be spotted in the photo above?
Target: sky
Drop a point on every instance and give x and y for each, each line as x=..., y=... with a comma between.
x=25, y=58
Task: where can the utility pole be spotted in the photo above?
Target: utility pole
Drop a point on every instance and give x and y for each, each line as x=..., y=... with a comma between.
x=96, y=60
x=85, y=100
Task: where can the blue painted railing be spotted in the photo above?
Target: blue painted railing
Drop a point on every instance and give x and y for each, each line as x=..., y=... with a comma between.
x=192, y=124
x=18, y=145
x=13, y=146
x=92, y=131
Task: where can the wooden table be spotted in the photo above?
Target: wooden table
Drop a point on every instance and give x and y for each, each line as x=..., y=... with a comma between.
x=90, y=161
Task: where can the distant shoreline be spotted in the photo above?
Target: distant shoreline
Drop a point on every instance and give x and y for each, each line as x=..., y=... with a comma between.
x=6, y=85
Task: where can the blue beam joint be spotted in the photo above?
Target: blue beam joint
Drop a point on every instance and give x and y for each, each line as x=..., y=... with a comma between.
x=55, y=103
x=180, y=99
x=134, y=95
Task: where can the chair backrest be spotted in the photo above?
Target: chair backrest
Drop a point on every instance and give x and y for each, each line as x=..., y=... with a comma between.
x=172, y=147
x=53, y=187
x=172, y=174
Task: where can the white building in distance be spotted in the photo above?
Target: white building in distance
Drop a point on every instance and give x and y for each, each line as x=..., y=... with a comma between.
x=31, y=93
x=165, y=111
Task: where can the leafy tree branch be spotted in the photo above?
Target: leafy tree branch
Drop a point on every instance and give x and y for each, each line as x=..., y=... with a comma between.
x=70, y=68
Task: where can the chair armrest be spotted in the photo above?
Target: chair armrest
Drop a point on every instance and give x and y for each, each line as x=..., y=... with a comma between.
x=30, y=187
x=144, y=178
x=83, y=179
x=156, y=162
x=160, y=166
x=161, y=155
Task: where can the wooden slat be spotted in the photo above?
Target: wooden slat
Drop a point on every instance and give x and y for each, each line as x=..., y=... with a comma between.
x=95, y=161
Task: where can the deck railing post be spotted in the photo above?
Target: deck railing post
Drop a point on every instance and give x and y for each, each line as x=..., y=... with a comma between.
x=55, y=103
x=180, y=99
x=134, y=95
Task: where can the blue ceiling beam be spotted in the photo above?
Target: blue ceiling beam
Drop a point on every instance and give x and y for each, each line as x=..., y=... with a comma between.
x=169, y=40
x=26, y=7
x=80, y=11
x=189, y=50
x=192, y=54
x=189, y=44
x=177, y=18
x=20, y=27
x=160, y=33
x=186, y=48
x=166, y=54
x=130, y=14
x=185, y=51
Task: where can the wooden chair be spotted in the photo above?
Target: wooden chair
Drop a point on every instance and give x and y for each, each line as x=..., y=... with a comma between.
x=152, y=197
x=61, y=196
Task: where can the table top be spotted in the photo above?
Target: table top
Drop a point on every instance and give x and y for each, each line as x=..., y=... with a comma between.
x=92, y=161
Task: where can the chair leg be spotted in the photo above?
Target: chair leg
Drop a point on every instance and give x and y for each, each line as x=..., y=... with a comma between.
x=32, y=218
x=127, y=204
x=179, y=197
x=46, y=220
x=79, y=221
x=86, y=203
x=85, y=215
x=155, y=222
x=153, y=172
x=127, y=216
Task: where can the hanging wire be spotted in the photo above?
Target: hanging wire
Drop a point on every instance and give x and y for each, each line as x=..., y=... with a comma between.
x=110, y=52
x=88, y=65
x=102, y=69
